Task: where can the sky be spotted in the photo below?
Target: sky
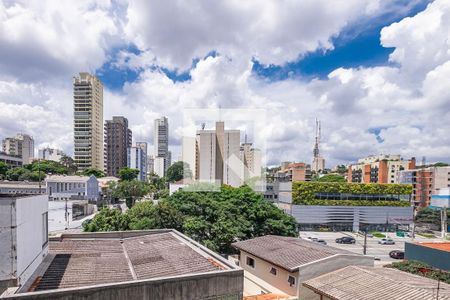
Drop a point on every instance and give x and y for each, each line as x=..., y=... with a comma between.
x=376, y=73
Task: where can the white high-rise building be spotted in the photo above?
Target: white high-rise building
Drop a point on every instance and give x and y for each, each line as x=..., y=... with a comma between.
x=88, y=122
x=50, y=154
x=251, y=159
x=218, y=157
x=158, y=166
x=22, y=145
x=136, y=159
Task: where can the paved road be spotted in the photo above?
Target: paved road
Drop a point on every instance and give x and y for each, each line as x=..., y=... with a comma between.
x=373, y=248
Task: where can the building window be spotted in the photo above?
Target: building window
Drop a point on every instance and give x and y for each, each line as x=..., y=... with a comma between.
x=273, y=271
x=250, y=262
x=291, y=280
x=44, y=229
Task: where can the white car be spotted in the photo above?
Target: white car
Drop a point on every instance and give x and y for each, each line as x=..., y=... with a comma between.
x=386, y=242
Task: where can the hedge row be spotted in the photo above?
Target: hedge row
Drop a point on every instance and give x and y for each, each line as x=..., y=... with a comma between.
x=303, y=193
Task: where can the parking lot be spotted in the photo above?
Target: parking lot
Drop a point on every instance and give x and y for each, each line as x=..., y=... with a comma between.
x=373, y=248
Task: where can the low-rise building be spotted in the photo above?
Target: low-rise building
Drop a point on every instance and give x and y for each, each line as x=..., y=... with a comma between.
x=286, y=262
x=367, y=283
x=436, y=254
x=379, y=169
x=61, y=187
x=23, y=237
x=152, y=264
x=349, y=206
x=50, y=154
x=12, y=161
x=21, y=188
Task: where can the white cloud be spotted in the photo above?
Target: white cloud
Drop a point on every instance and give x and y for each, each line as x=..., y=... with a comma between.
x=273, y=31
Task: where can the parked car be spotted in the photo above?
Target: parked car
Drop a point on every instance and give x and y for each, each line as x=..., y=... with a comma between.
x=386, y=242
x=397, y=254
x=311, y=238
x=345, y=240
x=320, y=241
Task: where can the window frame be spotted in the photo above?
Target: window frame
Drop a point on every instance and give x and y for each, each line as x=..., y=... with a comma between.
x=247, y=259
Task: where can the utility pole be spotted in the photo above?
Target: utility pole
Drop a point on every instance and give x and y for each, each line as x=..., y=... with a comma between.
x=365, y=243
x=39, y=175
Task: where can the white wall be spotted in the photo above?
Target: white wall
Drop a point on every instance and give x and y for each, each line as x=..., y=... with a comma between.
x=30, y=250
x=7, y=220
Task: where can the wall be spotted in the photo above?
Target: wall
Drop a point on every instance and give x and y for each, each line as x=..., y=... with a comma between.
x=433, y=257
x=262, y=271
x=327, y=265
x=7, y=237
x=221, y=285
x=30, y=250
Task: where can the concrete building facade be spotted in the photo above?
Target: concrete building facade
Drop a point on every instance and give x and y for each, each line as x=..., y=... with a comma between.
x=23, y=237
x=61, y=187
x=88, y=122
x=22, y=146
x=218, y=157
x=118, y=138
x=161, y=141
x=50, y=154
x=426, y=182
x=379, y=169
x=11, y=161
x=294, y=172
x=21, y=188
x=251, y=158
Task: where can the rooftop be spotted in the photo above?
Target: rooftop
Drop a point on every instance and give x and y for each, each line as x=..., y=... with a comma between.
x=89, y=259
x=20, y=184
x=444, y=246
x=368, y=283
x=64, y=178
x=287, y=252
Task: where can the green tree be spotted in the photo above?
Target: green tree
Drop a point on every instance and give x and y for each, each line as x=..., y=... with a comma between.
x=108, y=220
x=330, y=178
x=126, y=173
x=131, y=190
x=342, y=169
x=69, y=163
x=47, y=167
x=215, y=219
x=92, y=171
x=3, y=169
x=18, y=174
x=178, y=171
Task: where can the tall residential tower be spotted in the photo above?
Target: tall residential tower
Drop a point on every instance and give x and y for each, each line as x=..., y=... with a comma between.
x=161, y=141
x=22, y=145
x=117, y=140
x=88, y=122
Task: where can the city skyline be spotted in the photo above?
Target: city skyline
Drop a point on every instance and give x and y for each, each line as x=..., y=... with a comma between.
x=358, y=74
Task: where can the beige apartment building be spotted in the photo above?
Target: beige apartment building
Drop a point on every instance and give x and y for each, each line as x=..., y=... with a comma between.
x=292, y=171
x=22, y=146
x=88, y=122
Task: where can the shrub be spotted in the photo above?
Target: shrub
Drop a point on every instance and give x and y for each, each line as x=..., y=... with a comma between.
x=415, y=267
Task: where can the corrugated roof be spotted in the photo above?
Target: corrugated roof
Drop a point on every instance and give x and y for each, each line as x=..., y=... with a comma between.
x=368, y=283
x=287, y=252
x=91, y=261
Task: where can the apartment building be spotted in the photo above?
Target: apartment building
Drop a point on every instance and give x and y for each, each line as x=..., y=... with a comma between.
x=251, y=158
x=161, y=141
x=88, y=122
x=117, y=140
x=426, y=182
x=21, y=146
x=379, y=169
x=292, y=171
x=137, y=159
x=218, y=157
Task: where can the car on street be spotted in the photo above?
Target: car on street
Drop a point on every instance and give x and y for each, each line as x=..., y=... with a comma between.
x=397, y=254
x=345, y=240
x=320, y=241
x=386, y=242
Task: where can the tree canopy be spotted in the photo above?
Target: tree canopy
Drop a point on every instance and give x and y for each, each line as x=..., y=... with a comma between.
x=178, y=171
x=126, y=173
x=330, y=178
x=130, y=190
x=92, y=171
x=215, y=219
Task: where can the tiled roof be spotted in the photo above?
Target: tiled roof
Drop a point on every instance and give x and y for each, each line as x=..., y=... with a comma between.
x=368, y=283
x=91, y=261
x=287, y=252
